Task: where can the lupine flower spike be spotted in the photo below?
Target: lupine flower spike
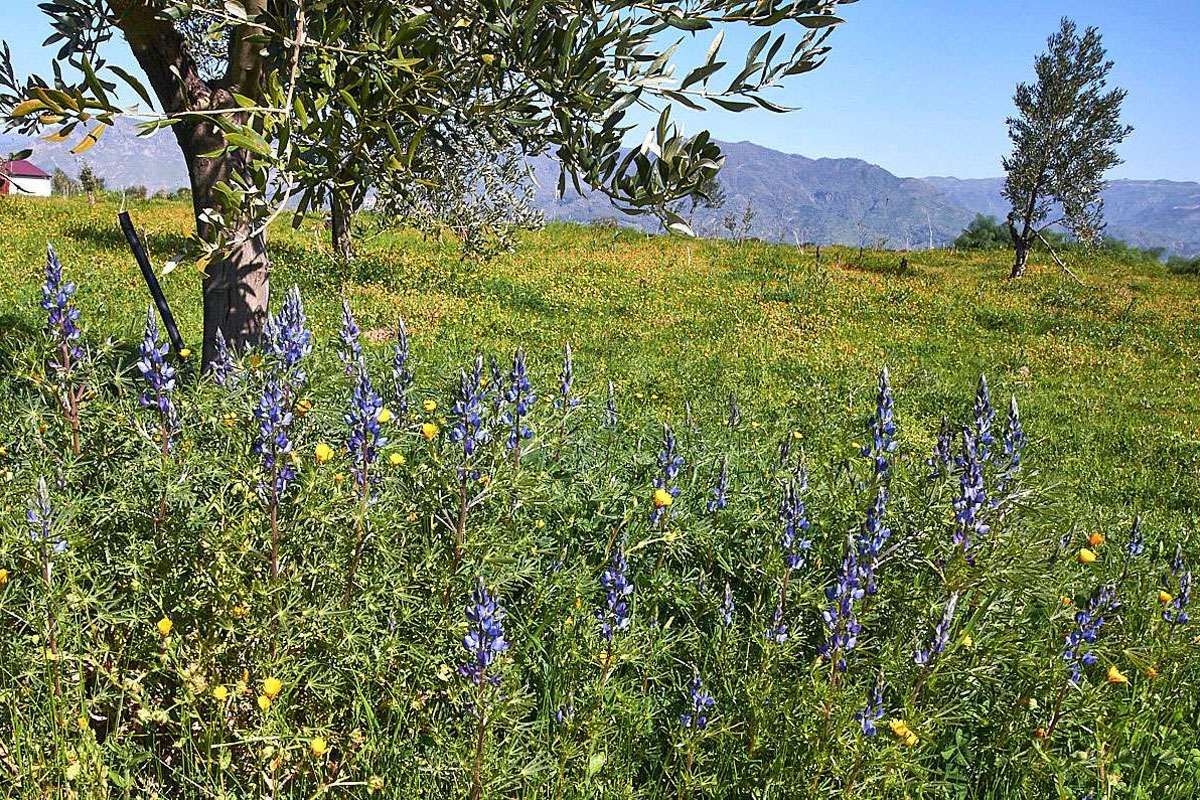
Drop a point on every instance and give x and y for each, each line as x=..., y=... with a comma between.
x=365, y=439
x=618, y=588
x=721, y=488
x=665, y=490
x=1088, y=622
x=727, y=607
x=566, y=379
x=62, y=328
x=520, y=398
x=1137, y=542
x=273, y=443
x=872, y=712
x=924, y=657
x=1014, y=437
x=777, y=632
x=1178, y=579
x=469, y=429
x=288, y=340
x=485, y=637
x=793, y=516
x=881, y=428
x=161, y=379
x=402, y=375
x=351, y=352
x=40, y=517
x=984, y=415
x=701, y=705
x=972, y=496
x=875, y=534
x=841, y=624
x=943, y=456
x=224, y=371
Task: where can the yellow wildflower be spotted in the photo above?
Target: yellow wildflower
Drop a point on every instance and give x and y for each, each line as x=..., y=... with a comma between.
x=185, y=352
x=1115, y=675
x=384, y=416
x=303, y=407
x=240, y=611
x=338, y=477
x=429, y=430
x=1085, y=556
x=264, y=702
x=902, y=732
x=374, y=784
x=430, y=406
x=272, y=687
x=1164, y=597
x=164, y=626
x=1096, y=539
x=229, y=420
x=323, y=453
x=396, y=459
x=3, y=578
x=318, y=747
x=82, y=722
x=662, y=498
x=539, y=524
x=220, y=693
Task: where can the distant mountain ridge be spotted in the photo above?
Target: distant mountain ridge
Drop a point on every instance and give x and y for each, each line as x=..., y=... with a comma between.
x=794, y=198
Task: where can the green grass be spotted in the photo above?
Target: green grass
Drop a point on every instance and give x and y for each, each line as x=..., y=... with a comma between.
x=1105, y=372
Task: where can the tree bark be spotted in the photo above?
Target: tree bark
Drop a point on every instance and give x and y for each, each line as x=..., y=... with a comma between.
x=341, y=224
x=1019, y=260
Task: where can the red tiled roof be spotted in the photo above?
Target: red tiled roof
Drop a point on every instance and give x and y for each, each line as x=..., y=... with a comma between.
x=22, y=169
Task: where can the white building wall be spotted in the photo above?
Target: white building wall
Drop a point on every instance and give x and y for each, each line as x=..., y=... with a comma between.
x=37, y=187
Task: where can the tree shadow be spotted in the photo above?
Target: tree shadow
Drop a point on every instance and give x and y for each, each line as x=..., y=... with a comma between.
x=112, y=238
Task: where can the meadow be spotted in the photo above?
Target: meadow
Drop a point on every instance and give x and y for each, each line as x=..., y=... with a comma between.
x=740, y=545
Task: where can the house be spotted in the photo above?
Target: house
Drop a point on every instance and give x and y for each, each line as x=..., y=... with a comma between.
x=23, y=178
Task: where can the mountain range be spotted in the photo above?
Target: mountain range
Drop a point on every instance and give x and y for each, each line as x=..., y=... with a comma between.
x=792, y=197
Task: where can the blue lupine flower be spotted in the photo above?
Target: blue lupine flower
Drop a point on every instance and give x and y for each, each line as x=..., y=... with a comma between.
x=785, y=452
x=485, y=637
x=496, y=385
x=701, y=705
x=1088, y=622
x=351, y=352
x=224, y=370
x=520, y=397
x=366, y=439
x=40, y=517
x=273, y=443
x=468, y=412
x=727, y=607
x=566, y=378
x=564, y=714
x=943, y=456
x=161, y=379
x=984, y=415
x=971, y=499
x=720, y=489
x=881, y=427
x=735, y=413
x=62, y=317
x=941, y=635
x=1176, y=613
x=669, y=464
x=875, y=534
x=1137, y=542
x=610, y=408
x=794, y=542
x=841, y=624
x=288, y=340
x=777, y=631
x=872, y=712
x=402, y=376
x=617, y=587
x=1014, y=437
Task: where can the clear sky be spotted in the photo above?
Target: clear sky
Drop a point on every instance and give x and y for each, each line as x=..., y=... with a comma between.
x=922, y=87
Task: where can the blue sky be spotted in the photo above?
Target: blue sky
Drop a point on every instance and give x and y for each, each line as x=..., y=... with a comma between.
x=922, y=87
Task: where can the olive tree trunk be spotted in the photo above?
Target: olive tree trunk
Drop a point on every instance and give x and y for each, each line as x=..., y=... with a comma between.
x=341, y=225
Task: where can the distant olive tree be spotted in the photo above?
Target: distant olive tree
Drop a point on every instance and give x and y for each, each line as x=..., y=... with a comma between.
x=1064, y=137
x=90, y=182
x=984, y=233
x=62, y=184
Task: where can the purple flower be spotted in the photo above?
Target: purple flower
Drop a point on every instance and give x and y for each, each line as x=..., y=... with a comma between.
x=520, y=397
x=669, y=464
x=224, y=371
x=273, y=443
x=160, y=377
x=701, y=706
x=1078, y=652
x=727, y=607
x=485, y=637
x=566, y=378
x=941, y=459
x=872, y=712
x=402, y=376
x=881, y=428
x=972, y=497
x=793, y=515
x=1137, y=542
x=1176, y=613
x=40, y=517
x=777, y=631
x=870, y=543
x=351, y=352
x=1014, y=437
x=468, y=428
x=366, y=439
x=984, y=415
x=841, y=624
x=617, y=587
x=288, y=340
x=720, y=489
x=564, y=714
x=62, y=317
x=941, y=635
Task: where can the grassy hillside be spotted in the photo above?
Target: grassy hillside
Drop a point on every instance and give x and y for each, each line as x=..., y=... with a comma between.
x=1106, y=371
x=256, y=587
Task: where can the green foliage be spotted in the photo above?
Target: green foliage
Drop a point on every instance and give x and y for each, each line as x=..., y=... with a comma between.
x=376, y=680
x=984, y=233
x=1183, y=266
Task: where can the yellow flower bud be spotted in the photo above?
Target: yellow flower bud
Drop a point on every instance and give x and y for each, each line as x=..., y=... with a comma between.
x=1096, y=539
x=185, y=352
x=264, y=702
x=1085, y=556
x=318, y=747
x=662, y=498
x=164, y=627
x=323, y=453
x=1164, y=597
x=429, y=431
x=3, y=578
x=272, y=687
